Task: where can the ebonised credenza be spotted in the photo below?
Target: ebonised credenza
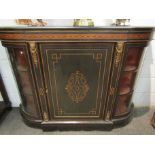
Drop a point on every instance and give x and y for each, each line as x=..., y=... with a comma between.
x=75, y=78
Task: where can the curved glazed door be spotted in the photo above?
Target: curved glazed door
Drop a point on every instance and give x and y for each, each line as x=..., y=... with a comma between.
x=76, y=77
x=133, y=53
x=20, y=59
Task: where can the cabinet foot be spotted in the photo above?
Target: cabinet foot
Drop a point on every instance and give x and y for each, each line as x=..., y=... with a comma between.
x=30, y=120
x=66, y=125
x=124, y=120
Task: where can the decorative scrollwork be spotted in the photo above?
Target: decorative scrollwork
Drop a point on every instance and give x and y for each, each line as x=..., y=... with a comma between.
x=98, y=57
x=45, y=115
x=119, y=50
x=33, y=50
x=77, y=87
x=92, y=111
x=60, y=111
x=43, y=91
x=108, y=115
x=56, y=57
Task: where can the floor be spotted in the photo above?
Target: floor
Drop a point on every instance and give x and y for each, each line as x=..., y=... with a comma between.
x=140, y=125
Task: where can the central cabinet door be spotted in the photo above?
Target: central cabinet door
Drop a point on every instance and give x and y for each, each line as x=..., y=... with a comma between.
x=76, y=78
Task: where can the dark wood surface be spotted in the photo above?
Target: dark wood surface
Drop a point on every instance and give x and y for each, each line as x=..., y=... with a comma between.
x=75, y=34
x=5, y=104
x=76, y=78
x=64, y=62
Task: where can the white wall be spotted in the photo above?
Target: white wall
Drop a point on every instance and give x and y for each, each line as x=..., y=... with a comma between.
x=8, y=77
x=144, y=94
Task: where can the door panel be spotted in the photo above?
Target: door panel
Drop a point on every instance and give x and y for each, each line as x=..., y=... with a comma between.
x=133, y=53
x=22, y=67
x=76, y=76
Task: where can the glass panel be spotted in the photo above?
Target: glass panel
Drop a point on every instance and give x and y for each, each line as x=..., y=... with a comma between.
x=132, y=59
x=29, y=106
x=25, y=82
x=126, y=82
x=123, y=103
x=22, y=71
x=20, y=60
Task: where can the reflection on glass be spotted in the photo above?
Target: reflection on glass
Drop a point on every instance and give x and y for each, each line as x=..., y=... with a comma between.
x=25, y=82
x=123, y=104
x=21, y=65
x=30, y=102
x=22, y=70
x=21, y=61
x=132, y=59
x=126, y=82
x=127, y=79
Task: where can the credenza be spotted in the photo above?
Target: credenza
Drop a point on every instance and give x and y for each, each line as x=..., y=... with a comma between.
x=75, y=78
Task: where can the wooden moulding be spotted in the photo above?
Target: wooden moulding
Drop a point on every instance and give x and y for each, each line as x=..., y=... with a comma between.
x=75, y=34
x=79, y=125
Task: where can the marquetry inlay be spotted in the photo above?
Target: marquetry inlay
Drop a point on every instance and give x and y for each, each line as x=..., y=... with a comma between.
x=77, y=87
x=70, y=36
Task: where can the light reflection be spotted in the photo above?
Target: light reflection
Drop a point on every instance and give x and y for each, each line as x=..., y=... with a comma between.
x=21, y=52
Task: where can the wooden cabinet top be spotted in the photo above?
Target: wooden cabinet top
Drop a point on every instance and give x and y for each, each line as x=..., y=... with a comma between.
x=75, y=33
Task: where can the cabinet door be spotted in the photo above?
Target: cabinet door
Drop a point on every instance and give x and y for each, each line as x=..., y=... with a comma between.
x=20, y=60
x=132, y=57
x=76, y=77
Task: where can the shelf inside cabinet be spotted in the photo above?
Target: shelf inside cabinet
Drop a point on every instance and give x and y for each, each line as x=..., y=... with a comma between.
x=130, y=68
